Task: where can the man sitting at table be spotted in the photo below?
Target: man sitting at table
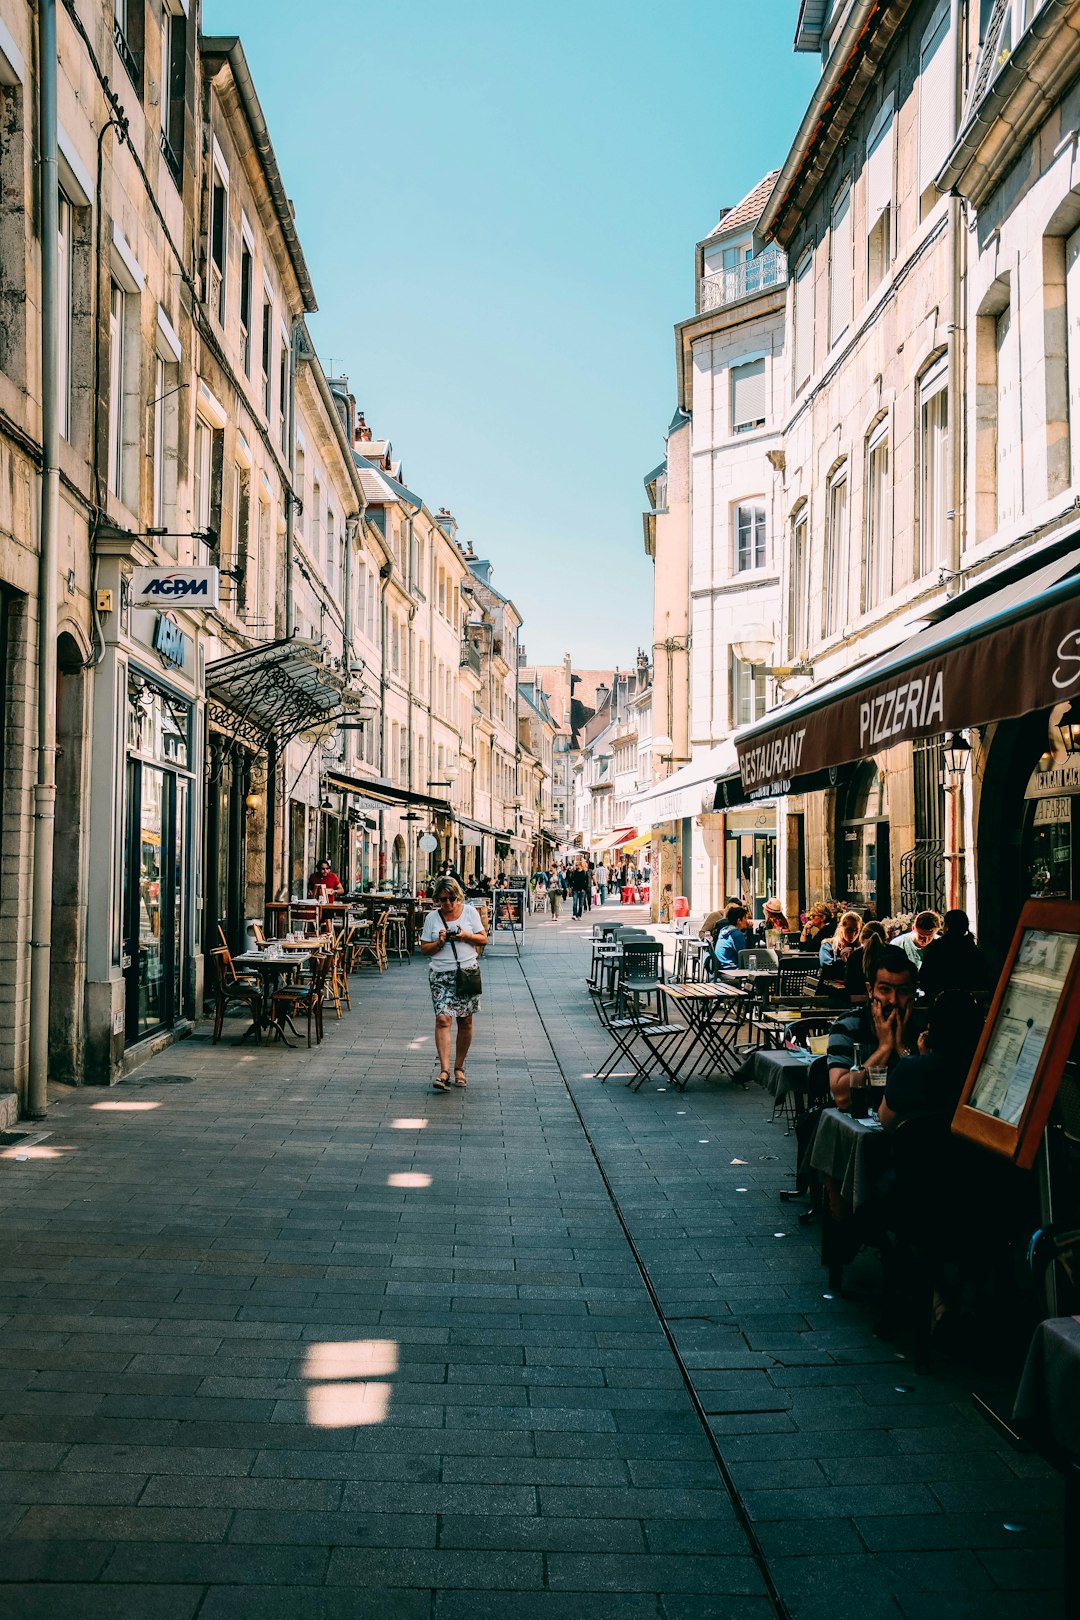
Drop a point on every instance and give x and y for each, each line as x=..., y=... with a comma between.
x=877, y=1030
x=734, y=936
x=323, y=878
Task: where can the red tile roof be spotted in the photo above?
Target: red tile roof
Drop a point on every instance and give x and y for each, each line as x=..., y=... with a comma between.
x=750, y=210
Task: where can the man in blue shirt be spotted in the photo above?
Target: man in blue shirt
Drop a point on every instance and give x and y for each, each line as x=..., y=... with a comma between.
x=734, y=936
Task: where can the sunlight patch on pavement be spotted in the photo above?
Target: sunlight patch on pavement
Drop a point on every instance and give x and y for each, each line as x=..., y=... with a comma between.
x=34, y=1152
x=407, y=1124
x=408, y=1178
x=351, y=1358
x=125, y=1107
x=347, y=1406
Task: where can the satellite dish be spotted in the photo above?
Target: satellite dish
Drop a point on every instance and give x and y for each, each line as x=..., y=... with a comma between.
x=428, y=843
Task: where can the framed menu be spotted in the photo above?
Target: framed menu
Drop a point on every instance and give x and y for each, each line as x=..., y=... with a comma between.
x=1029, y=1034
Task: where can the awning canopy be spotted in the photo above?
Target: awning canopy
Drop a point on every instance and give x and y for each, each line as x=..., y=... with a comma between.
x=611, y=838
x=279, y=691
x=1005, y=654
x=688, y=791
x=384, y=792
x=636, y=844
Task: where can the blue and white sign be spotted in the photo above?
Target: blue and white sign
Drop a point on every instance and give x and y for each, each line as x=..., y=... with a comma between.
x=170, y=641
x=174, y=587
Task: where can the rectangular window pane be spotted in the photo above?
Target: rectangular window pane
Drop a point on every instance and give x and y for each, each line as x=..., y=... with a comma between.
x=245, y=308
x=936, y=101
x=835, y=557
x=804, y=321
x=748, y=396
x=798, y=604
x=879, y=572
x=934, y=438
x=219, y=209
x=840, y=266
x=64, y=296
x=116, y=389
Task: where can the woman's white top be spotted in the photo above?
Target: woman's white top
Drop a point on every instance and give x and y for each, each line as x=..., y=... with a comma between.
x=442, y=960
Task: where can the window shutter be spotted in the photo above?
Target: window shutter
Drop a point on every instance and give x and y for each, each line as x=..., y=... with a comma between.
x=747, y=394
x=879, y=168
x=936, y=99
x=840, y=266
x=804, y=321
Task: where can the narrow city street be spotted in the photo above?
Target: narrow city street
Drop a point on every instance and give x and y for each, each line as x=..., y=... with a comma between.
x=289, y=1334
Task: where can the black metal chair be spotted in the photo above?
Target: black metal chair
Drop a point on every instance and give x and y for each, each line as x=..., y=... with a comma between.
x=229, y=991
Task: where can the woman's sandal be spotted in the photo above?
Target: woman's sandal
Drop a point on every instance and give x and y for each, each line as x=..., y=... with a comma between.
x=441, y=1081
x=460, y=1078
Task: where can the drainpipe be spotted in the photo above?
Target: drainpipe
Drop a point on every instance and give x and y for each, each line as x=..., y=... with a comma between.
x=290, y=496
x=45, y=787
x=384, y=579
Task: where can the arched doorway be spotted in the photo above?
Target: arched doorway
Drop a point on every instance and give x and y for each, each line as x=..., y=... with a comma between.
x=1017, y=838
x=862, y=831
x=67, y=958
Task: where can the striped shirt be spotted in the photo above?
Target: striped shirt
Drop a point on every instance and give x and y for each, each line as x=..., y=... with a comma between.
x=854, y=1029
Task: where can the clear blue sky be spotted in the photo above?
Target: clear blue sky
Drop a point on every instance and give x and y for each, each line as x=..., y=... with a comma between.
x=498, y=201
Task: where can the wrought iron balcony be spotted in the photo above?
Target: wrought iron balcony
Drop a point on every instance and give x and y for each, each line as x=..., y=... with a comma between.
x=746, y=280
x=470, y=657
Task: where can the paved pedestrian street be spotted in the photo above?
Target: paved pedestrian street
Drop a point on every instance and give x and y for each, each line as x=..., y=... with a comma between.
x=289, y=1334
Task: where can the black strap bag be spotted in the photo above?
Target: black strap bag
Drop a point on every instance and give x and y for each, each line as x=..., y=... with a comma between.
x=467, y=982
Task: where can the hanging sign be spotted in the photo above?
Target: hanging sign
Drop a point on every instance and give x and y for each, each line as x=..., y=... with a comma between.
x=174, y=587
x=428, y=843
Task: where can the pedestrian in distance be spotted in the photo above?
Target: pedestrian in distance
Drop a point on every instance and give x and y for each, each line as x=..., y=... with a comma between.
x=588, y=885
x=450, y=937
x=601, y=883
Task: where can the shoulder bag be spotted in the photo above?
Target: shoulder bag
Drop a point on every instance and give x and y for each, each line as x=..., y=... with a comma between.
x=467, y=982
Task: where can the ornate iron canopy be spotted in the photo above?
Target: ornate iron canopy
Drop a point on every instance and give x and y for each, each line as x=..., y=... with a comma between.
x=280, y=691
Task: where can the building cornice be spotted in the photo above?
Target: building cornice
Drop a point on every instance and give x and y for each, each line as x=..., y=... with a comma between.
x=1016, y=103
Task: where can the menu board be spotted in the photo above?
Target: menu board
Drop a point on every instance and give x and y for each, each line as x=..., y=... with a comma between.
x=1023, y=1023
x=509, y=907
x=1029, y=1034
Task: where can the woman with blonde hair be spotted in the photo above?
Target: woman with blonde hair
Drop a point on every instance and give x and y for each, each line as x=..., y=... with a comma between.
x=450, y=937
x=860, y=964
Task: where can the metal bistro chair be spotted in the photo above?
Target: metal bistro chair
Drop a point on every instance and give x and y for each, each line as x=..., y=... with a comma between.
x=797, y=982
x=641, y=959
x=233, y=992
x=624, y=1029
x=793, y=1101
x=293, y=1000
x=373, y=948
x=762, y=956
x=397, y=935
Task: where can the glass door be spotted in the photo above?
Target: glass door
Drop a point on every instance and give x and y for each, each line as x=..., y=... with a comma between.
x=152, y=948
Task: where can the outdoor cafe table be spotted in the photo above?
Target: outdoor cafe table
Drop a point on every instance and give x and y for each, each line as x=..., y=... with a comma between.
x=1047, y=1414
x=373, y=905
x=279, y=913
x=712, y=1014
x=270, y=968
x=849, y=1155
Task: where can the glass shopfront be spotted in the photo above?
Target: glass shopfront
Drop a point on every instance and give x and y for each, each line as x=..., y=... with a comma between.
x=155, y=923
x=863, y=863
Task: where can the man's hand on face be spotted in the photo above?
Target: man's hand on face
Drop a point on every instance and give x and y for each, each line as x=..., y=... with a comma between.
x=888, y=1027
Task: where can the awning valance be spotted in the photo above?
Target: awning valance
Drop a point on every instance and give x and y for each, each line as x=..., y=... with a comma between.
x=384, y=792
x=635, y=844
x=689, y=790
x=1007, y=654
x=282, y=690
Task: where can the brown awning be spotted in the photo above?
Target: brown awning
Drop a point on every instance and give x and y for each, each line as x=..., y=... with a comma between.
x=1006, y=654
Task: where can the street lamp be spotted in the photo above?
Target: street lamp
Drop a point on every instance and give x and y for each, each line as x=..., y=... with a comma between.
x=1068, y=729
x=957, y=753
x=755, y=647
x=664, y=745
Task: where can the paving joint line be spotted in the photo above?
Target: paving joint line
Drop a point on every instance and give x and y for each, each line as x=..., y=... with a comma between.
x=741, y=1513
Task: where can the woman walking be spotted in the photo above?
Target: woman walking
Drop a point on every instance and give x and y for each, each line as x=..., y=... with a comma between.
x=449, y=939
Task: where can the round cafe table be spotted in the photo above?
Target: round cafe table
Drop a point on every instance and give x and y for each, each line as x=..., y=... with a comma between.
x=270, y=968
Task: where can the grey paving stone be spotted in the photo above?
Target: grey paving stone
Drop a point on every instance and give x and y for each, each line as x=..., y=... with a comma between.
x=312, y=1603
x=546, y=1534
x=53, y=1601
x=174, y=1562
x=651, y=1572
x=441, y=1569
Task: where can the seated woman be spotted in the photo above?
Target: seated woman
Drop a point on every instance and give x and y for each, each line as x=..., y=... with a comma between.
x=818, y=927
x=860, y=963
x=929, y=1080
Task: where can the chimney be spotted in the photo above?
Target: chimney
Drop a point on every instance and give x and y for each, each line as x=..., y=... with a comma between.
x=447, y=523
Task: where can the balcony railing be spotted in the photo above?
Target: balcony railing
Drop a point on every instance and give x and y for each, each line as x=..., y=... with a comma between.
x=470, y=657
x=753, y=276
